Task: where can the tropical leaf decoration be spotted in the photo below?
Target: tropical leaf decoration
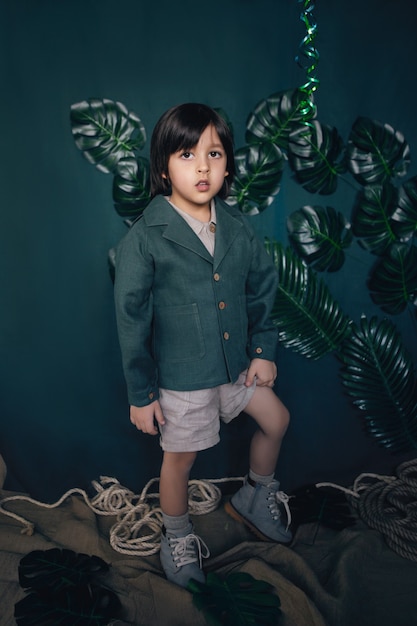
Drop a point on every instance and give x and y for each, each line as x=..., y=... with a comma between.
x=393, y=281
x=237, y=600
x=274, y=118
x=404, y=218
x=281, y=128
x=372, y=217
x=316, y=156
x=105, y=132
x=131, y=186
x=376, y=152
x=57, y=569
x=378, y=375
x=308, y=318
x=84, y=606
x=258, y=176
x=319, y=236
x=64, y=590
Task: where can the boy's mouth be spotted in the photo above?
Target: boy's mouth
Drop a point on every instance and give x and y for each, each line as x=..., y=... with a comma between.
x=203, y=184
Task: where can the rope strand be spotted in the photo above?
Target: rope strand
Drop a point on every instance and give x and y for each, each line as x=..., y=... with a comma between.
x=138, y=517
x=388, y=504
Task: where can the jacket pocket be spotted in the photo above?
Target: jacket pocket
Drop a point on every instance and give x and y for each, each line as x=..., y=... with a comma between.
x=178, y=335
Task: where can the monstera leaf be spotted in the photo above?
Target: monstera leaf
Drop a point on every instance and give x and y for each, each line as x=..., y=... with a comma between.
x=64, y=591
x=57, y=569
x=84, y=606
x=316, y=157
x=131, y=186
x=308, y=319
x=376, y=152
x=393, y=281
x=237, y=600
x=319, y=236
x=405, y=215
x=372, y=217
x=378, y=375
x=105, y=131
x=258, y=176
x=274, y=118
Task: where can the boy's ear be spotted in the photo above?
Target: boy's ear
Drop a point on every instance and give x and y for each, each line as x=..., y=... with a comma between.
x=226, y=173
x=164, y=175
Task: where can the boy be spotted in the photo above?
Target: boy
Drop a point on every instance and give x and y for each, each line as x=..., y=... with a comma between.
x=193, y=290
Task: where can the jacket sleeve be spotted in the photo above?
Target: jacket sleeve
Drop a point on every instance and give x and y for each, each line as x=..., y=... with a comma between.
x=261, y=287
x=134, y=316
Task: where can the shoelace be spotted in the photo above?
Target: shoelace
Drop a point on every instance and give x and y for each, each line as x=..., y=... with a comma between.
x=278, y=498
x=188, y=549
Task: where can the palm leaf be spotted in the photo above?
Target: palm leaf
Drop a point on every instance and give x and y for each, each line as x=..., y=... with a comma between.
x=393, y=281
x=378, y=375
x=372, y=217
x=238, y=600
x=131, y=187
x=274, y=118
x=376, y=152
x=258, y=176
x=57, y=569
x=308, y=319
x=319, y=236
x=84, y=606
x=105, y=131
x=405, y=215
x=316, y=157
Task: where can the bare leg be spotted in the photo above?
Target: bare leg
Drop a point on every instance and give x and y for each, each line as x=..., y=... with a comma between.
x=261, y=506
x=173, y=484
x=272, y=418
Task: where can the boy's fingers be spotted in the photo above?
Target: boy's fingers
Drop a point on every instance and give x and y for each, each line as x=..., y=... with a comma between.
x=159, y=416
x=249, y=379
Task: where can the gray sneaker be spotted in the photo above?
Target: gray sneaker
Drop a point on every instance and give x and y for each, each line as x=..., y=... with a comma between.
x=181, y=557
x=262, y=509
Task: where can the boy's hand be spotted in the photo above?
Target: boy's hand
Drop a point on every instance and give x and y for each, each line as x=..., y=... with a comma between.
x=144, y=417
x=265, y=372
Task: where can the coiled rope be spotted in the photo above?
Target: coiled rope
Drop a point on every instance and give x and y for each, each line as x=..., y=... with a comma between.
x=138, y=517
x=388, y=504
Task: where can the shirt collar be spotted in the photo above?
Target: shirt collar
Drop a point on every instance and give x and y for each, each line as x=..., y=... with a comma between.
x=196, y=224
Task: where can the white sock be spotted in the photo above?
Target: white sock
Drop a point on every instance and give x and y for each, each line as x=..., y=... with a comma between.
x=262, y=480
x=177, y=524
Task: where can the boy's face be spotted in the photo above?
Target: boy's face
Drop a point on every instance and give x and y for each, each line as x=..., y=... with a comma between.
x=197, y=174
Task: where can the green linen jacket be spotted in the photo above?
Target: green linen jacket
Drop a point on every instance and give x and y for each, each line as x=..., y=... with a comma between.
x=187, y=320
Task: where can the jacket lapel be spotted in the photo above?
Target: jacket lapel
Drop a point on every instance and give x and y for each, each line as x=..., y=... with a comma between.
x=160, y=213
x=177, y=230
x=227, y=229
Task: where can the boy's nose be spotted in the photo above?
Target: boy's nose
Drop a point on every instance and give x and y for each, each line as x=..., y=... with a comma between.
x=203, y=167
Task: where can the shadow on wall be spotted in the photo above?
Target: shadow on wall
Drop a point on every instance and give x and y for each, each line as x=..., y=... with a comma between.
x=3, y=472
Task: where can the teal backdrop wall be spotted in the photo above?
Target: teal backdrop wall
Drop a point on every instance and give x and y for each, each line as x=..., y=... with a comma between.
x=63, y=408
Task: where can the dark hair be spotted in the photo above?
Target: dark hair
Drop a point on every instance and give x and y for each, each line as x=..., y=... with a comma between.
x=180, y=128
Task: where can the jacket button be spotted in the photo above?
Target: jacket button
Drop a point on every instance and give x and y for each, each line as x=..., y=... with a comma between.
x=222, y=305
x=151, y=395
x=226, y=336
x=258, y=350
x=216, y=277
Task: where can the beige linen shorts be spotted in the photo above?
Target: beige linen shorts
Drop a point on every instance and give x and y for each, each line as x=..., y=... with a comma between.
x=192, y=417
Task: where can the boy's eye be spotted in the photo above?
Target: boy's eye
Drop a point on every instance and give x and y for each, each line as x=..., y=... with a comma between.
x=215, y=154
x=186, y=155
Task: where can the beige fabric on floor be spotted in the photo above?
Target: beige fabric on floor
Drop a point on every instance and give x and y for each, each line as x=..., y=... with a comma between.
x=327, y=578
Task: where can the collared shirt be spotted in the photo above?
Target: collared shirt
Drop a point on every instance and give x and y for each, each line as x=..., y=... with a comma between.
x=205, y=231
